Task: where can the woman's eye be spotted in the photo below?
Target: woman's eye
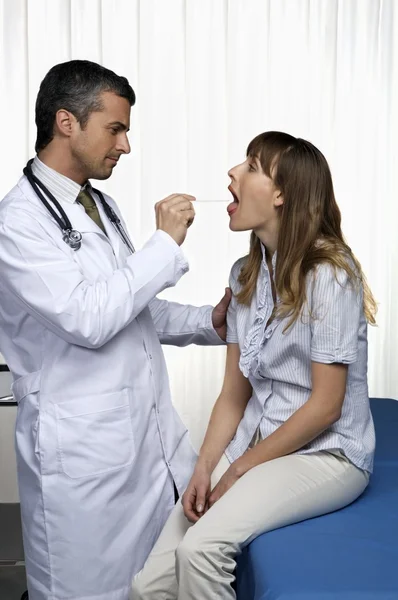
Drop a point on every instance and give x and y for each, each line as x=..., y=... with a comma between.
x=251, y=168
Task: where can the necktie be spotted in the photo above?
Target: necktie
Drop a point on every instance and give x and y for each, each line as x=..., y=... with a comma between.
x=85, y=199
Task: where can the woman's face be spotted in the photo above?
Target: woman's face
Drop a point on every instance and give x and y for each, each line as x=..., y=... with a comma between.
x=256, y=198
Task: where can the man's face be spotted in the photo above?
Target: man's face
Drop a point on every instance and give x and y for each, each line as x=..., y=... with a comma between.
x=96, y=148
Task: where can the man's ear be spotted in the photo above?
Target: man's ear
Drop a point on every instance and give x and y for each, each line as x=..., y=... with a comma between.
x=65, y=122
x=278, y=198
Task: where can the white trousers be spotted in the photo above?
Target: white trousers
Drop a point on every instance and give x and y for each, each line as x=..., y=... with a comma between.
x=197, y=562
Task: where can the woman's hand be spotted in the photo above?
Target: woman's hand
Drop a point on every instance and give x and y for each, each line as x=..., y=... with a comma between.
x=195, y=498
x=230, y=477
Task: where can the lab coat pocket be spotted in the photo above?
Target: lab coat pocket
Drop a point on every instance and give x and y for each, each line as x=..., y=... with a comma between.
x=95, y=434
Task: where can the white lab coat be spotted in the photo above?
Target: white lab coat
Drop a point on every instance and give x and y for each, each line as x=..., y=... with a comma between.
x=98, y=441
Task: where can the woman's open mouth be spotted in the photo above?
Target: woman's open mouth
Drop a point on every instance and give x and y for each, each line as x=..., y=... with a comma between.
x=233, y=207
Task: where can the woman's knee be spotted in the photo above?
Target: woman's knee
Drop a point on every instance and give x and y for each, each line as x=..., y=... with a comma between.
x=201, y=547
x=187, y=548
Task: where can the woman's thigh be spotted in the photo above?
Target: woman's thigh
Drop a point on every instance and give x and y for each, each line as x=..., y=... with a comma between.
x=278, y=493
x=177, y=524
x=157, y=578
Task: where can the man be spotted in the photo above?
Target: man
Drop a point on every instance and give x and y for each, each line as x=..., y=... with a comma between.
x=100, y=448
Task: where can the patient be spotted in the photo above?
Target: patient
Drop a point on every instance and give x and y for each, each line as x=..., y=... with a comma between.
x=291, y=435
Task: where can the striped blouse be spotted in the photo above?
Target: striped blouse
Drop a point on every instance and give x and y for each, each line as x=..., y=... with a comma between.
x=278, y=364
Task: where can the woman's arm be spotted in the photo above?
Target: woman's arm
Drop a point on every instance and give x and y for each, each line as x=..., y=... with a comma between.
x=336, y=303
x=322, y=409
x=225, y=418
x=227, y=412
x=336, y=306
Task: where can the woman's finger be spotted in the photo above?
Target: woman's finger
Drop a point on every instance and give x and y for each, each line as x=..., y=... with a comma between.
x=188, y=504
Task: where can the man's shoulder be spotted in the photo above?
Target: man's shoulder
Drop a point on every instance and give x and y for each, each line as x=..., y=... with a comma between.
x=15, y=196
x=18, y=202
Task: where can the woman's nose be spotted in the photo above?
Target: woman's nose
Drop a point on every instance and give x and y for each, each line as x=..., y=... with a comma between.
x=232, y=173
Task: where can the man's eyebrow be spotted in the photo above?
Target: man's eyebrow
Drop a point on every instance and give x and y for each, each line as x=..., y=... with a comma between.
x=119, y=124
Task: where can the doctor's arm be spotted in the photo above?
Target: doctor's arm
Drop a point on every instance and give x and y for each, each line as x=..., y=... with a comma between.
x=44, y=278
x=183, y=324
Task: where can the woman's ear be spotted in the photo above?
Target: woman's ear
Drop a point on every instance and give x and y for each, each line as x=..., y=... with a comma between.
x=65, y=122
x=278, y=198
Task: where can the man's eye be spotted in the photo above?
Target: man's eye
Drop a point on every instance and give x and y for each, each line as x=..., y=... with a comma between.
x=251, y=168
x=115, y=130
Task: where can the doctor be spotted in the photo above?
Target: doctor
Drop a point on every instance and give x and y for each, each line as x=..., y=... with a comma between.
x=100, y=448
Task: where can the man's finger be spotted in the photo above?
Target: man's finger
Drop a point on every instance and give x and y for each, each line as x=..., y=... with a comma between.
x=190, y=216
x=176, y=198
x=181, y=206
x=226, y=299
x=173, y=200
x=222, y=306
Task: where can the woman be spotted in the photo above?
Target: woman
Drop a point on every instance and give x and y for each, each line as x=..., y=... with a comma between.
x=291, y=431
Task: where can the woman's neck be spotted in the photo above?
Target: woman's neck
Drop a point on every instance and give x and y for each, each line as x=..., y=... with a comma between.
x=269, y=238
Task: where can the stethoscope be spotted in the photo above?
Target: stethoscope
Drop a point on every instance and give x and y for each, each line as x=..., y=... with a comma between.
x=71, y=236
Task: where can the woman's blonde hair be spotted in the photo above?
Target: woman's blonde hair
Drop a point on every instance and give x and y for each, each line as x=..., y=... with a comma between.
x=310, y=225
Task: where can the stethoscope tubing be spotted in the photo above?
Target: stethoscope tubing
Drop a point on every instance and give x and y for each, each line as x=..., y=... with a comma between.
x=71, y=236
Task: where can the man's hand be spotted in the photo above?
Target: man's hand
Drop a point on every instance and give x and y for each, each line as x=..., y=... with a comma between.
x=174, y=215
x=219, y=315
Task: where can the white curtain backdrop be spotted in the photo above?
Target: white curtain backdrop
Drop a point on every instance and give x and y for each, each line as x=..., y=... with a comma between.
x=210, y=75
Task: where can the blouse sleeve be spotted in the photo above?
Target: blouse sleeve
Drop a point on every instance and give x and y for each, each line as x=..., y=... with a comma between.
x=336, y=310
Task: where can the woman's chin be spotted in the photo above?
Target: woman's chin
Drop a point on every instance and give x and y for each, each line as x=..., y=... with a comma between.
x=234, y=225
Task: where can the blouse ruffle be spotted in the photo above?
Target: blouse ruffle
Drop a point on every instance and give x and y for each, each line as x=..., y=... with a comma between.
x=250, y=358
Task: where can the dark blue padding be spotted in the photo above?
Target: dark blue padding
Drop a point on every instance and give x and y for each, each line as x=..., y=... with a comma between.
x=385, y=416
x=351, y=554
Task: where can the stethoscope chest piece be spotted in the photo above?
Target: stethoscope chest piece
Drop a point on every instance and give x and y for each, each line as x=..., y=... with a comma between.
x=73, y=238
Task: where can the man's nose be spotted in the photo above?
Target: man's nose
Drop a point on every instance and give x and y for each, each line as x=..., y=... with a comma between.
x=123, y=144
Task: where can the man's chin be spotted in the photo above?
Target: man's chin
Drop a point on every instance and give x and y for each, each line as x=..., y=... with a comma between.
x=102, y=175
